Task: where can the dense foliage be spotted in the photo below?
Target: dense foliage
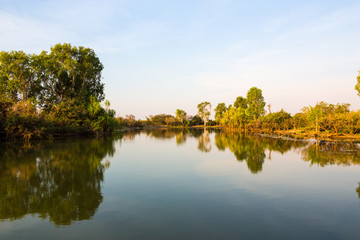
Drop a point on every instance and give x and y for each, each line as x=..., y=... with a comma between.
x=248, y=114
x=52, y=93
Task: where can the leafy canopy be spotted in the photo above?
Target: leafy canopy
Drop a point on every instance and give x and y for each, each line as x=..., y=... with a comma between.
x=256, y=103
x=204, y=109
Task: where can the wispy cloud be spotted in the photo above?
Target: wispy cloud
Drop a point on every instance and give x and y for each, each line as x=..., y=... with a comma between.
x=29, y=34
x=299, y=60
x=138, y=36
x=298, y=53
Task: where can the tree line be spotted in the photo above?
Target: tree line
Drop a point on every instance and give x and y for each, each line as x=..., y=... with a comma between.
x=323, y=119
x=60, y=92
x=251, y=114
x=248, y=114
x=56, y=92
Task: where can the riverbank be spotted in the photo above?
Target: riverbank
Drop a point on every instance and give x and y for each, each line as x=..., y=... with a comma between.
x=327, y=136
x=296, y=134
x=293, y=134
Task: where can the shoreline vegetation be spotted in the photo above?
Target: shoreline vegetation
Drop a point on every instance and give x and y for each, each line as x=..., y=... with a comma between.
x=294, y=134
x=324, y=121
x=60, y=94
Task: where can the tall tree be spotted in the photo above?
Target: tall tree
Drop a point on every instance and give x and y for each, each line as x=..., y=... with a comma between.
x=204, y=109
x=180, y=115
x=256, y=103
x=65, y=73
x=219, y=112
x=241, y=102
x=72, y=73
x=16, y=76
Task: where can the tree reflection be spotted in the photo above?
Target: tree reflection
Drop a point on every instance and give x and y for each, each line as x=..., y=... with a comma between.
x=324, y=153
x=244, y=148
x=62, y=181
x=358, y=190
x=181, y=137
x=251, y=148
x=59, y=181
x=204, y=143
x=163, y=133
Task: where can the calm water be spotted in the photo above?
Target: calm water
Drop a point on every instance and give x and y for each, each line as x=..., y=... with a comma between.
x=180, y=185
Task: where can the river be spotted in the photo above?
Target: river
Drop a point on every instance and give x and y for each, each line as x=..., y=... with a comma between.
x=179, y=184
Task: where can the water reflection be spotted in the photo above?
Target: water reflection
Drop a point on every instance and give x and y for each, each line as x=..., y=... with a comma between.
x=329, y=153
x=181, y=137
x=333, y=153
x=59, y=181
x=62, y=181
x=251, y=149
x=204, y=143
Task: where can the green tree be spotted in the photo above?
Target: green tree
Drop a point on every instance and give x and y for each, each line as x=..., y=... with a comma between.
x=64, y=84
x=277, y=120
x=195, y=120
x=204, y=109
x=219, y=112
x=93, y=107
x=256, y=103
x=72, y=73
x=16, y=76
x=314, y=115
x=241, y=102
x=180, y=115
x=161, y=119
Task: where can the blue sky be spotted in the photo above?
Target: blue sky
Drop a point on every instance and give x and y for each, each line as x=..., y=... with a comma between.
x=163, y=55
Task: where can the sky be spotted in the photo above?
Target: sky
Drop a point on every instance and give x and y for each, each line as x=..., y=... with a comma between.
x=162, y=55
